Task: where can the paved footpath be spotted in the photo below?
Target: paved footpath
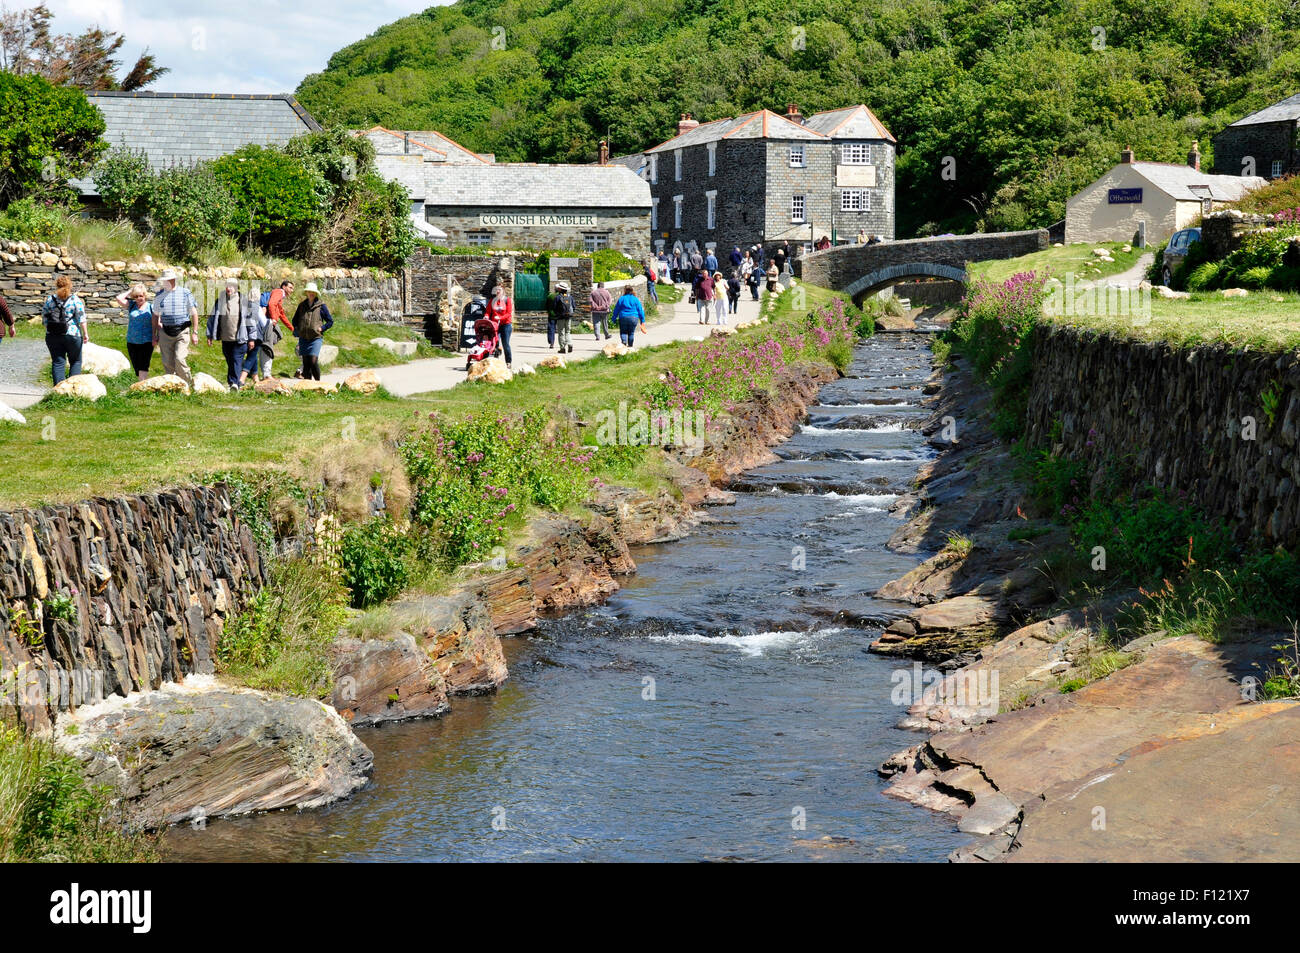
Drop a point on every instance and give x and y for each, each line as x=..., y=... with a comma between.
x=676, y=322
x=21, y=361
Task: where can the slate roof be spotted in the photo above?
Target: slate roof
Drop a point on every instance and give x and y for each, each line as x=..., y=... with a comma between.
x=185, y=128
x=1287, y=110
x=427, y=142
x=526, y=185
x=851, y=122
x=1184, y=183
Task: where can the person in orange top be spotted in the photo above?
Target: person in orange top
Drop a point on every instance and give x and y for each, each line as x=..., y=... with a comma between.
x=501, y=312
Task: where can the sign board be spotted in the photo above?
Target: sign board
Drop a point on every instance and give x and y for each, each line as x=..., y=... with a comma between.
x=855, y=176
x=1124, y=197
x=537, y=220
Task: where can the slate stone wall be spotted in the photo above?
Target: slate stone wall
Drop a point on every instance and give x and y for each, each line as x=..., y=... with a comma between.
x=1181, y=419
x=151, y=579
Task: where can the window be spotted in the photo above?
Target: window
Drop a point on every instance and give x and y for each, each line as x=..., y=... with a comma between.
x=654, y=170
x=1277, y=169
x=677, y=211
x=856, y=153
x=478, y=238
x=855, y=200
x=713, y=158
x=677, y=165
x=796, y=157
x=654, y=215
x=595, y=241
x=713, y=208
x=796, y=208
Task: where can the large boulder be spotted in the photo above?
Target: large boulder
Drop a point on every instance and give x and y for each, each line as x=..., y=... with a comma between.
x=615, y=349
x=493, y=371
x=460, y=640
x=329, y=353
x=554, y=361
x=320, y=387
x=163, y=384
x=207, y=384
x=398, y=348
x=272, y=385
x=380, y=680
x=103, y=361
x=204, y=750
x=10, y=416
x=85, y=386
x=362, y=382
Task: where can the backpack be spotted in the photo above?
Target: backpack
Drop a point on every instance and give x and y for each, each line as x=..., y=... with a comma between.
x=265, y=300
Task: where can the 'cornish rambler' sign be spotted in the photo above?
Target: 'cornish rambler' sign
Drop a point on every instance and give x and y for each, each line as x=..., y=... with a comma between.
x=513, y=220
x=1124, y=197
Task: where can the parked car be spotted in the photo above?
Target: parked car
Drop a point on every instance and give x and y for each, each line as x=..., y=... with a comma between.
x=1176, y=253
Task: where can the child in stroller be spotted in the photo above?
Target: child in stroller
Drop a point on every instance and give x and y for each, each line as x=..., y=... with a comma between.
x=486, y=341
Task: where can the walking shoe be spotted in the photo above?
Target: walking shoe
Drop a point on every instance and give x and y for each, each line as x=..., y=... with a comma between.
x=570, y=348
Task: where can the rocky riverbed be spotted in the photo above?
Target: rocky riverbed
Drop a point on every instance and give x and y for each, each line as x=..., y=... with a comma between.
x=1166, y=759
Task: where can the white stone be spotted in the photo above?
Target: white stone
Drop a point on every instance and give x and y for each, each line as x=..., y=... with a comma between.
x=615, y=349
x=1234, y=292
x=525, y=369
x=1165, y=292
x=85, y=386
x=103, y=361
x=399, y=348
x=492, y=371
x=554, y=361
x=9, y=415
x=163, y=384
x=329, y=353
x=207, y=384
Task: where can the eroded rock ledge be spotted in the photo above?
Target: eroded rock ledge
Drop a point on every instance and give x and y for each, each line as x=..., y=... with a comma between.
x=1166, y=758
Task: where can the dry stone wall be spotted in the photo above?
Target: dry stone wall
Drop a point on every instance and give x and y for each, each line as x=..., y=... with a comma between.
x=28, y=271
x=112, y=596
x=1192, y=420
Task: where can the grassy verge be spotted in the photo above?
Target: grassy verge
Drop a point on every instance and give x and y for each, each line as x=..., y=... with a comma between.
x=49, y=813
x=1076, y=259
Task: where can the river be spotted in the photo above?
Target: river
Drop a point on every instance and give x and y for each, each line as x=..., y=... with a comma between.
x=721, y=706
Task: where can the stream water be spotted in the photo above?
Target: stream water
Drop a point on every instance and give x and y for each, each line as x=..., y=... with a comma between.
x=718, y=707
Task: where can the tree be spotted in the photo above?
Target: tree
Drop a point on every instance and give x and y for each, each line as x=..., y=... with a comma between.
x=48, y=134
x=28, y=47
x=278, y=199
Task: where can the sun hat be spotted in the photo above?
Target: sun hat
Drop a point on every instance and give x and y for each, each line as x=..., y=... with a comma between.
x=561, y=286
x=311, y=286
x=168, y=275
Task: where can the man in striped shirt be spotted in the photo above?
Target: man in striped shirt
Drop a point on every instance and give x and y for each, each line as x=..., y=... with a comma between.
x=175, y=312
x=7, y=317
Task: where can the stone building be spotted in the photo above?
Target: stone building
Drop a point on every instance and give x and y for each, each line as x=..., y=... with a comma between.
x=506, y=205
x=1265, y=143
x=764, y=177
x=1159, y=197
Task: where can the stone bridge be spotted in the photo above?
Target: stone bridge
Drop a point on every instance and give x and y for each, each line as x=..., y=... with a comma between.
x=861, y=270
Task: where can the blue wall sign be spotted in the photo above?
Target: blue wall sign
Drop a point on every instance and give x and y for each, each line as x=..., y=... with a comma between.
x=1124, y=197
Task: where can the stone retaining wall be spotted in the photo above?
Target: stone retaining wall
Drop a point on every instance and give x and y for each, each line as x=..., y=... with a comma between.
x=151, y=579
x=1188, y=420
x=28, y=271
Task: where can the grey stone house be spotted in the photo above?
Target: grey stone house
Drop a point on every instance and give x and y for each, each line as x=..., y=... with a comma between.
x=764, y=177
x=1265, y=143
x=186, y=128
x=507, y=205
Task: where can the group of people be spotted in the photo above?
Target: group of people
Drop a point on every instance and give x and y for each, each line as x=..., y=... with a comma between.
x=247, y=325
x=627, y=314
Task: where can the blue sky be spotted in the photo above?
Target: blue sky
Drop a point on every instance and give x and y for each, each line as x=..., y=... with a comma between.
x=231, y=46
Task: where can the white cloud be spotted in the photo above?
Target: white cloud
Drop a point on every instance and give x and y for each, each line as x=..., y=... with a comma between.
x=241, y=46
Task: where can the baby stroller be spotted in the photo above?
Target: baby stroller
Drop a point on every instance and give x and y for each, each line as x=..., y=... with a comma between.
x=486, y=341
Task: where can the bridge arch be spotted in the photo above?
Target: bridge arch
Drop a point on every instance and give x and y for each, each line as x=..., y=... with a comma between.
x=891, y=274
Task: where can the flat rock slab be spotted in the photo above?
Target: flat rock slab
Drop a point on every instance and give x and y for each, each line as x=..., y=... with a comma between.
x=379, y=680
x=203, y=750
x=1222, y=797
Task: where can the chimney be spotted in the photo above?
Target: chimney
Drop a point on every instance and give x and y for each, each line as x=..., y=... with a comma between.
x=1126, y=157
x=604, y=152
x=792, y=113
x=1194, y=157
x=406, y=143
x=686, y=124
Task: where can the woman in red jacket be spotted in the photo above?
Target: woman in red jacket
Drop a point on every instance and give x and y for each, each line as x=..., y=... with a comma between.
x=500, y=311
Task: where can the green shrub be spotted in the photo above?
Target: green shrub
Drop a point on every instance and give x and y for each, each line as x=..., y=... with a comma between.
x=278, y=199
x=48, y=812
x=189, y=210
x=34, y=220
x=281, y=641
x=1204, y=276
x=1256, y=277
x=379, y=233
x=48, y=134
x=1148, y=537
x=376, y=558
x=125, y=182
